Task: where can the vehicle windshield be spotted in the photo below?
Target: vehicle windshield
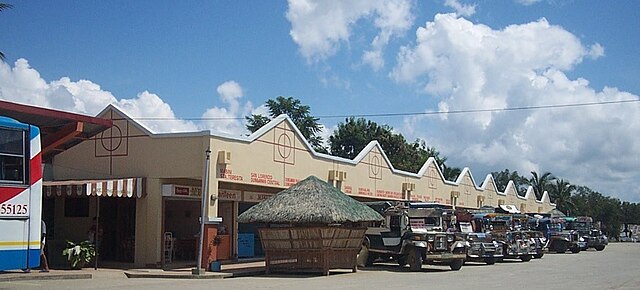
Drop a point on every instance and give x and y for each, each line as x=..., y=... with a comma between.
x=424, y=222
x=580, y=226
x=499, y=226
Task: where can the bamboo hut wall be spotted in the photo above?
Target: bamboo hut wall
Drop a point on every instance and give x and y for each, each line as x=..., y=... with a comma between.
x=311, y=249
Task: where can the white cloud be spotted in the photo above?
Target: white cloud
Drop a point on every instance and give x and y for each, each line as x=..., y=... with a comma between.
x=472, y=66
x=228, y=120
x=319, y=27
x=461, y=9
x=148, y=105
x=528, y=2
x=23, y=84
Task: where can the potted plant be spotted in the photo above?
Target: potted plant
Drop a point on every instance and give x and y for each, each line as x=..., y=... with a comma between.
x=79, y=254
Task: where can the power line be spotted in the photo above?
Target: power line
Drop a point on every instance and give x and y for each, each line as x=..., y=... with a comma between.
x=541, y=107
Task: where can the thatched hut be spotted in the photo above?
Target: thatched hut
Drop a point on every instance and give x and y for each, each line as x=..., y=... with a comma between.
x=310, y=227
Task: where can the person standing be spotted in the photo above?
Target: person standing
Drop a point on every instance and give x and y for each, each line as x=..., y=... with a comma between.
x=43, y=256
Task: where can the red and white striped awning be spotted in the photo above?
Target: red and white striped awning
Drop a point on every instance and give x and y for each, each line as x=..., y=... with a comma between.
x=125, y=187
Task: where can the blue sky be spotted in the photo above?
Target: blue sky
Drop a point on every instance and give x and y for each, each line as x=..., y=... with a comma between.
x=195, y=59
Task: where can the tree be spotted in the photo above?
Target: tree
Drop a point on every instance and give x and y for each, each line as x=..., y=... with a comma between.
x=4, y=6
x=502, y=179
x=540, y=183
x=561, y=194
x=299, y=114
x=353, y=135
x=450, y=173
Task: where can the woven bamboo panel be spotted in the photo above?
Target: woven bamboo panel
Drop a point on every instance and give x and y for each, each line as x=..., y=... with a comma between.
x=311, y=249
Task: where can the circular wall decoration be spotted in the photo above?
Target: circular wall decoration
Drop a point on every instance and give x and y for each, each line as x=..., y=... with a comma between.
x=115, y=140
x=284, y=146
x=375, y=165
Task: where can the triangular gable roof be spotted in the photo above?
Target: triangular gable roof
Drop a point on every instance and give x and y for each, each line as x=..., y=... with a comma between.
x=363, y=153
x=125, y=116
x=467, y=172
x=489, y=179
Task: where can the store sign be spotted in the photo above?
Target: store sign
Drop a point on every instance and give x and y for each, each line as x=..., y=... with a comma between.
x=181, y=190
x=228, y=194
x=250, y=196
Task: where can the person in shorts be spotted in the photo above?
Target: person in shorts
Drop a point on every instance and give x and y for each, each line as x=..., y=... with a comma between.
x=43, y=256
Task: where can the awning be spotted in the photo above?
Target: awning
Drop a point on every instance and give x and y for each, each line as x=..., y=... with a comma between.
x=509, y=208
x=125, y=187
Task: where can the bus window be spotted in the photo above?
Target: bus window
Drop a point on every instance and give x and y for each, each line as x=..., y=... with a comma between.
x=12, y=156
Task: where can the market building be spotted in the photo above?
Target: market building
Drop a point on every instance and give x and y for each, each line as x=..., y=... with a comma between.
x=147, y=187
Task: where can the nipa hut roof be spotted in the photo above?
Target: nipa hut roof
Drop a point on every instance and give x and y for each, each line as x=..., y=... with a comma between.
x=310, y=201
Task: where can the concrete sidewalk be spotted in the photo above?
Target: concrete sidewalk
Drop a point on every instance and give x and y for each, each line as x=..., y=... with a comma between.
x=19, y=275
x=229, y=270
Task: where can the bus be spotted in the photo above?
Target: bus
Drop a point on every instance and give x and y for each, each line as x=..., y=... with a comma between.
x=20, y=195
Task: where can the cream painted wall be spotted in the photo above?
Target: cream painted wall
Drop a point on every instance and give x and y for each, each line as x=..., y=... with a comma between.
x=275, y=156
x=148, y=248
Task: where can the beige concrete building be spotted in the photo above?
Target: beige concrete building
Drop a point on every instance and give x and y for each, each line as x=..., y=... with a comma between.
x=167, y=170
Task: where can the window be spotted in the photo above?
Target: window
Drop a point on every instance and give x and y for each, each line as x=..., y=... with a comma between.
x=13, y=156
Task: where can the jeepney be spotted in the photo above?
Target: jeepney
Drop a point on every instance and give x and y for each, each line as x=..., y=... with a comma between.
x=481, y=245
x=515, y=244
x=411, y=235
x=591, y=235
x=559, y=238
x=537, y=241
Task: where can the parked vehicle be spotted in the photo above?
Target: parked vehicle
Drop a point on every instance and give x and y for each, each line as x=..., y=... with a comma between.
x=537, y=243
x=20, y=195
x=515, y=244
x=592, y=236
x=481, y=245
x=559, y=239
x=411, y=235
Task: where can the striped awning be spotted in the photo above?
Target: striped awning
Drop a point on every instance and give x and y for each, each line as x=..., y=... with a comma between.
x=124, y=187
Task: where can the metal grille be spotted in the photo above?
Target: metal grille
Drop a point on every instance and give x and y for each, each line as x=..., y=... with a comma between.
x=441, y=243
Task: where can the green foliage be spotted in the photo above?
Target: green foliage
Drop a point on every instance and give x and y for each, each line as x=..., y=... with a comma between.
x=450, y=173
x=353, y=135
x=299, y=114
x=560, y=193
x=540, y=183
x=502, y=179
x=79, y=254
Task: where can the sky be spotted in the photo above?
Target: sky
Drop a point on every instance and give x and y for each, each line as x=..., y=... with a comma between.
x=204, y=65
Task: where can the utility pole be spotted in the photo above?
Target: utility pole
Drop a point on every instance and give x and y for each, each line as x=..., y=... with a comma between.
x=205, y=192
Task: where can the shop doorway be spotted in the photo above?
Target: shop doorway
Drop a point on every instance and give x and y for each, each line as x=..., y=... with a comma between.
x=181, y=229
x=118, y=222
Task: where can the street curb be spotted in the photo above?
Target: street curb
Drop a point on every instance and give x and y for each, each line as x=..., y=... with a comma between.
x=178, y=276
x=248, y=273
x=26, y=277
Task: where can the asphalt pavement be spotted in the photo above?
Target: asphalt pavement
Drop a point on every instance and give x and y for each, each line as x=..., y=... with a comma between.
x=617, y=267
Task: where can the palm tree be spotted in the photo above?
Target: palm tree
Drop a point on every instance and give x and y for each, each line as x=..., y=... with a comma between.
x=4, y=6
x=541, y=183
x=561, y=193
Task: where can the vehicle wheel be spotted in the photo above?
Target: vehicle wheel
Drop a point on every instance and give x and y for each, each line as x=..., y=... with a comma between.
x=456, y=264
x=599, y=248
x=490, y=261
x=538, y=256
x=525, y=258
x=365, y=258
x=415, y=259
x=575, y=250
x=561, y=248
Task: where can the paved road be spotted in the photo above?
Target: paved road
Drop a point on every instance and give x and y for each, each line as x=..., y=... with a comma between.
x=617, y=267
